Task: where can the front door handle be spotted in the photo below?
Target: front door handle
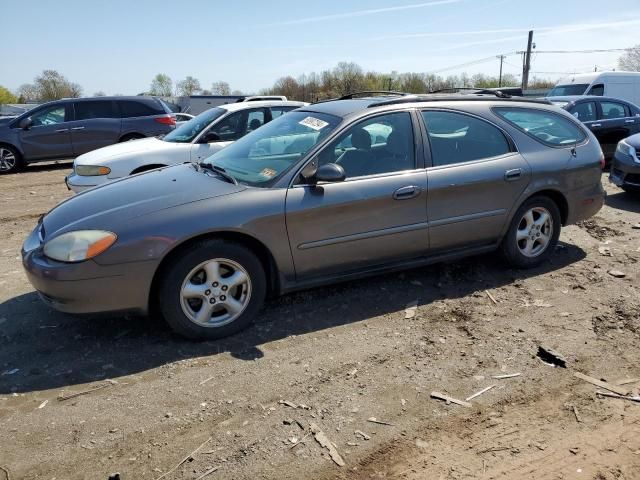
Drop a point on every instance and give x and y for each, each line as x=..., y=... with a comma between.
x=596, y=124
x=77, y=128
x=406, y=193
x=514, y=174
x=629, y=121
x=61, y=130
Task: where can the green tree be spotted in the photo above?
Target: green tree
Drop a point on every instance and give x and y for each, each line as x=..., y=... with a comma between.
x=161, y=85
x=6, y=96
x=188, y=86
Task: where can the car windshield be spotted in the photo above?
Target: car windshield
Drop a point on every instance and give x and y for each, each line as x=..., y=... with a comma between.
x=188, y=131
x=260, y=157
x=564, y=90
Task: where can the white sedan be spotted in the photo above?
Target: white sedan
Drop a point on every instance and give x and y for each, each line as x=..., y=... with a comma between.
x=192, y=141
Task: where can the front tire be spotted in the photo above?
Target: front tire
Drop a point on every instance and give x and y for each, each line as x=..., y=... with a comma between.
x=533, y=233
x=213, y=290
x=10, y=160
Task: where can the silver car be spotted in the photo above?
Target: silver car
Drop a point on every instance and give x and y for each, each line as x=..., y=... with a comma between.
x=329, y=192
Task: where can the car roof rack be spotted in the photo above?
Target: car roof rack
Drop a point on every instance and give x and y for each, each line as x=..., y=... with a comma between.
x=475, y=96
x=487, y=91
x=364, y=93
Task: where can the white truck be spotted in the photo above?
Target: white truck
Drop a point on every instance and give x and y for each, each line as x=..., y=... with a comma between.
x=622, y=85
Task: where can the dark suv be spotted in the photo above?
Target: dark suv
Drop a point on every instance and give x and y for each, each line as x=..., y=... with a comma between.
x=70, y=127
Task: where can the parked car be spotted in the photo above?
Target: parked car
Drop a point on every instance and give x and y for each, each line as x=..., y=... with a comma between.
x=625, y=168
x=192, y=141
x=621, y=85
x=70, y=127
x=610, y=119
x=315, y=197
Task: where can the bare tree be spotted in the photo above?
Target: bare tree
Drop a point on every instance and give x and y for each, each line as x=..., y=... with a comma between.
x=221, y=88
x=348, y=77
x=237, y=92
x=630, y=60
x=188, y=86
x=161, y=85
x=27, y=92
x=99, y=93
x=51, y=85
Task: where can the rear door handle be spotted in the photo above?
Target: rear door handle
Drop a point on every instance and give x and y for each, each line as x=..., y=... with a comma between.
x=77, y=128
x=406, y=193
x=61, y=130
x=596, y=124
x=514, y=174
x=629, y=121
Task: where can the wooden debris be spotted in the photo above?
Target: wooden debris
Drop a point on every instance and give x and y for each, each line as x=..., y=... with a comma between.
x=380, y=422
x=477, y=394
x=62, y=398
x=494, y=449
x=617, y=273
x=6, y=472
x=206, y=380
x=208, y=472
x=549, y=355
x=576, y=414
x=627, y=381
x=185, y=458
x=495, y=302
x=622, y=397
x=601, y=384
x=300, y=441
x=605, y=251
x=506, y=375
x=324, y=441
x=43, y=404
x=288, y=403
x=448, y=399
x=411, y=309
x=364, y=436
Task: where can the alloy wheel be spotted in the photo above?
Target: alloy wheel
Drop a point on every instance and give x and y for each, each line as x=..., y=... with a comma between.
x=215, y=293
x=7, y=160
x=535, y=231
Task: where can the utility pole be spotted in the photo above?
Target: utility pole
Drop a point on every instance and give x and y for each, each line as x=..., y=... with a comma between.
x=527, y=62
x=501, y=57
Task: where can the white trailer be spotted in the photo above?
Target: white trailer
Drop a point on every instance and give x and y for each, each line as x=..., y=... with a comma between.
x=622, y=85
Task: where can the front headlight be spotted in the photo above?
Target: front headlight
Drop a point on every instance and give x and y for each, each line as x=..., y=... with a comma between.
x=626, y=149
x=91, y=170
x=79, y=246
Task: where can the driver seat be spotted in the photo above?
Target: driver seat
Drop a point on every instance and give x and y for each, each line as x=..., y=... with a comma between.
x=356, y=162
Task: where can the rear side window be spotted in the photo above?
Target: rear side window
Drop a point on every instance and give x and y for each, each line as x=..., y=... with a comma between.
x=611, y=110
x=597, y=90
x=89, y=110
x=279, y=111
x=133, y=108
x=458, y=138
x=585, y=112
x=547, y=127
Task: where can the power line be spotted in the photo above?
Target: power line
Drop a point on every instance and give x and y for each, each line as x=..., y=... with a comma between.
x=585, y=51
x=468, y=64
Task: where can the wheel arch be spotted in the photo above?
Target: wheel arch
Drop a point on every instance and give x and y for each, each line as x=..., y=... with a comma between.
x=15, y=147
x=555, y=195
x=259, y=248
x=131, y=135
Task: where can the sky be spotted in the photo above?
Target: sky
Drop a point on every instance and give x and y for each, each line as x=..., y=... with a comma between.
x=118, y=46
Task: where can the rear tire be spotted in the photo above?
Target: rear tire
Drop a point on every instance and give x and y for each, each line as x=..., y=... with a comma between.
x=10, y=160
x=533, y=233
x=212, y=290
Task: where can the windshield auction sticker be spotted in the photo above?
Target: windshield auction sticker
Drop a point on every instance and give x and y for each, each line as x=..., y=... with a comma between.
x=314, y=123
x=268, y=172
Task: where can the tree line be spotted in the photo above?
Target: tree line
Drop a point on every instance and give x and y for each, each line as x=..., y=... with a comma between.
x=344, y=78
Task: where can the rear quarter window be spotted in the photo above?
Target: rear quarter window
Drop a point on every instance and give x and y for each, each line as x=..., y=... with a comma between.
x=133, y=108
x=546, y=127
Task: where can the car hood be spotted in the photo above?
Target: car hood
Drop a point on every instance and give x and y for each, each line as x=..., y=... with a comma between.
x=119, y=202
x=132, y=147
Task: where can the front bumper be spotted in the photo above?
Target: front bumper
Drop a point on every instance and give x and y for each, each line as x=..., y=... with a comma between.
x=625, y=171
x=87, y=287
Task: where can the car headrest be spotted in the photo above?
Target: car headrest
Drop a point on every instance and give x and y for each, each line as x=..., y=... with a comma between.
x=397, y=143
x=361, y=139
x=255, y=124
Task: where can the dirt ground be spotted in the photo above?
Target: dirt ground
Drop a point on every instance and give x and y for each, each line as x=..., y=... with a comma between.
x=338, y=357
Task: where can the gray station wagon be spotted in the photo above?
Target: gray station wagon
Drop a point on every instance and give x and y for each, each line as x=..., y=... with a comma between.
x=329, y=192
x=70, y=127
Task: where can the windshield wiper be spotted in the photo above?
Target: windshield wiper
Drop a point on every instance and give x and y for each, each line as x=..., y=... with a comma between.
x=219, y=170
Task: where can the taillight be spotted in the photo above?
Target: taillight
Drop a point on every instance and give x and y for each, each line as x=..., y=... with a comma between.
x=602, y=162
x=166, y=120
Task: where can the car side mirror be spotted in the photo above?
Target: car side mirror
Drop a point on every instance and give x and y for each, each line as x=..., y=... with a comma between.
x=25, y=123
x=210, y=137
x=330, y=172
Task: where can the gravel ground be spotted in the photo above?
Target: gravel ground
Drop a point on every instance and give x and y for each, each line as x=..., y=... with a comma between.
x=330, y=360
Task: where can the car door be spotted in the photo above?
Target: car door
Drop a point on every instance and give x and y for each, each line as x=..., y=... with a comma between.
x=377, y=215
x=614, y=123
x=227, y=130
x=474, y=179
x=48, y=136
x=96, y=124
